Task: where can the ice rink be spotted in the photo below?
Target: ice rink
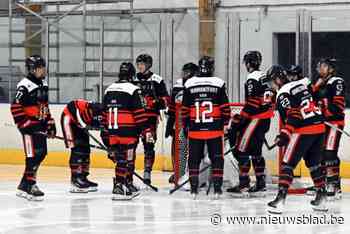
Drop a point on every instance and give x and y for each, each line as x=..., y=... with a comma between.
x=62, y=212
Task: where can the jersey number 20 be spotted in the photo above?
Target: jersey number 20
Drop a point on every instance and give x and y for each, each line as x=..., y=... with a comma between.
x=202, y=117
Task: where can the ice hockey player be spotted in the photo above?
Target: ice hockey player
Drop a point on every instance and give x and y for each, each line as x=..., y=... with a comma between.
x=330, y=94
x=206, y=112
x=77, y=118
x=302, y=135
x=31, y=114
x=252, y=124
x=294, y=73
x=188, y=70
x=125, y=119
x=156, y=95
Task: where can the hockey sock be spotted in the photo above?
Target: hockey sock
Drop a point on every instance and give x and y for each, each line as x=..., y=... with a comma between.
x=286, y=176
x=317, y=176
x=194, y=178
x=259, y=167
x=244, y=167
x=149, y=156
x=333, y=169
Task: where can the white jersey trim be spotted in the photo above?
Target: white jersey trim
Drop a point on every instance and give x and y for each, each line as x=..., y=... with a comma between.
x=122, y=87
x=212, y=81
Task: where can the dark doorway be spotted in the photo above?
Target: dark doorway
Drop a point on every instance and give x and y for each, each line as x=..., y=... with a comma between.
x=324, y=44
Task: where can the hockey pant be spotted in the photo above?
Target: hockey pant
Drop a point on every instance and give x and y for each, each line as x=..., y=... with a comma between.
x=215, y=153
x=309, y=147
x=331, y=161
x=35, y=149
x=77, y=140
x=111, y=155
x=248, y=148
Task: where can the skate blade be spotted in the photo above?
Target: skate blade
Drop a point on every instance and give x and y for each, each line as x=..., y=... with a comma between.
x=273, y=210
x=32, y=198
x=240, y=195
x=136, y=194
x=92, y=189
x=21, y=194
x=78, y=190
x=258, y=194
x=320, y=208
x=121, y=198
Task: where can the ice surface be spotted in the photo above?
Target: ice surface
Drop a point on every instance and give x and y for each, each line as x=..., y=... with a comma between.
x=62, y=212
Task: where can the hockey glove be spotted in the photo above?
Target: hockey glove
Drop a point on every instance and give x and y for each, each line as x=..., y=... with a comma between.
x=51, y=128
x=282, y=139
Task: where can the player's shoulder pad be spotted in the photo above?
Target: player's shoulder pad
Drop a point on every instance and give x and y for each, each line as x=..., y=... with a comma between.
x=178, y=83
x=285, y=89
x=256, y=75
x=27, y=84
x=335, y=79
x=156, y=78
x=197, y=81
x=305, y=81
x=122, y=87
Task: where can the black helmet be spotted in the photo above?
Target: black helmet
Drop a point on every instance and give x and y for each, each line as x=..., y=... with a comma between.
x=126, y=71
x=276, y=71
x=294, y=70
x=145, y=59
x=206, y=66
x=189, y=70
x=331, y=62
x=33, y=62
x=253, y=58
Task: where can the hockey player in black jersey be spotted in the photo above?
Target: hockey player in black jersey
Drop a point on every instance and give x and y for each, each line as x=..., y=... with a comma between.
x=124, y=119
x=31, y=114
x=77, y=118
x=248, y=128
x=206, y=112
x=302, y=134
x=329, y=91
x=188, y=70
x=156, y=95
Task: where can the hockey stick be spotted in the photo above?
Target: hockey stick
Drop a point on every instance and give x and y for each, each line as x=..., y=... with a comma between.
x=63, y=139
x=269, y=147
x=336, y=128
x=137, y=175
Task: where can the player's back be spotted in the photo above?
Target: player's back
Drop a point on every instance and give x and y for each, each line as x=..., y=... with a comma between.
x=298, y=109
x=124, y=110
x=206, y=107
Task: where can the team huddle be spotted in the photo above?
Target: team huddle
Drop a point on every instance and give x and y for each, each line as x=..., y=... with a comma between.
x=312, y=115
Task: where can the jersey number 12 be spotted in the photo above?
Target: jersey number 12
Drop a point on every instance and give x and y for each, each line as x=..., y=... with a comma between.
x=203, y=116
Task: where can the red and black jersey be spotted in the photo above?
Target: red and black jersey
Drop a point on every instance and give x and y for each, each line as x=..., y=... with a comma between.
x=258, y=103
x=154, y=92
x=298, y=110
x=175, y=103
x=332, y=100
x=124, y=117
x=30, y=108
x=79, y=112
x=205, y=107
